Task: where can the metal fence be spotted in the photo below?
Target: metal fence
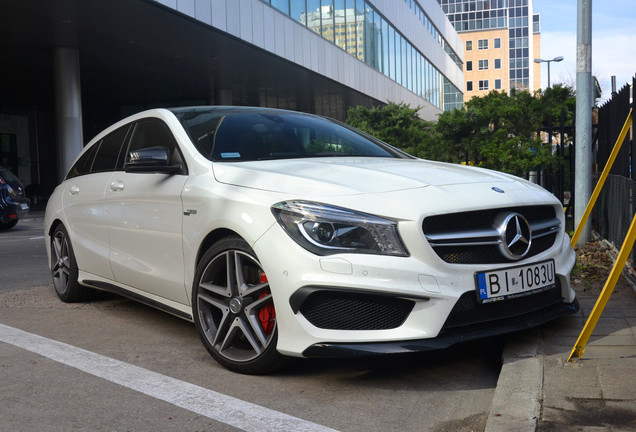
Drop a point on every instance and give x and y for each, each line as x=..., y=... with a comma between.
x=615, y=208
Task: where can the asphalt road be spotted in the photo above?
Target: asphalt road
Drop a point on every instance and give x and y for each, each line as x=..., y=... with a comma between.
x=112, y=364
x=23, y=255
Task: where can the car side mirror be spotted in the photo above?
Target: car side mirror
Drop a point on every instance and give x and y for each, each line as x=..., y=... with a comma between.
x=150, y=159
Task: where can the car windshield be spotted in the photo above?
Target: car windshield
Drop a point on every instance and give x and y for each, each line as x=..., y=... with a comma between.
x=253, y=134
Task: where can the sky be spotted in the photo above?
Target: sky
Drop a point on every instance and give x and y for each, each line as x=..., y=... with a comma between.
x=613, y=41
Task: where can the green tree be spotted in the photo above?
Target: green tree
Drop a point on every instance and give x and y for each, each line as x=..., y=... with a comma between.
x=497, y=131
x=395, y=124
x=556, y=100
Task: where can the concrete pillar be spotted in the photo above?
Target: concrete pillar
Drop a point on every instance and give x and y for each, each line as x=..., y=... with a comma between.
x=224, y=97
x=68, y=107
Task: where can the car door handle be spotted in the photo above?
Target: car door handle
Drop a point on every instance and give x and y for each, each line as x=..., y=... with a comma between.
x=117, y=186
x=74, y=190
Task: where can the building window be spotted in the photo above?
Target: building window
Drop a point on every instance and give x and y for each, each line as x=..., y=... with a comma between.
x=497, y=42
x=497, y=63
x=536, y=24
x=482, y=44
x=483, y=84
x=469, y=45
x=281, y=5
x=469, y=66
x=483, y=64
x=497, y=84
x=469, y=86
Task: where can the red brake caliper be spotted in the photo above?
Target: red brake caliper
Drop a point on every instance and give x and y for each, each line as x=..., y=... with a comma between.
x=267, y=314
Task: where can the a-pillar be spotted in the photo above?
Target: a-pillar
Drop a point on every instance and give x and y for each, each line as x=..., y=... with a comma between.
x=68, y=107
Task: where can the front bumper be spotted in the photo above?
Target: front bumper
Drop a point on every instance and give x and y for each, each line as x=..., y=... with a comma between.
x=446, y=337
x=347, y=304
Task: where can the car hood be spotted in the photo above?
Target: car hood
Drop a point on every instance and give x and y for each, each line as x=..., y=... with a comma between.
x=350, y=176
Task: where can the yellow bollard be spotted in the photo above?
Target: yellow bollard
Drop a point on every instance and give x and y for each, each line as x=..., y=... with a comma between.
x=584, y=337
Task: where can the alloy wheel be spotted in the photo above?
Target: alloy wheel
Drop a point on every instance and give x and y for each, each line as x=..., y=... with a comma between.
x=60, y=262
x=235, y=307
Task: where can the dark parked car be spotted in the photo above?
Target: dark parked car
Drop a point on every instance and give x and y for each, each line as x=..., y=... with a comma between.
x=13, y=203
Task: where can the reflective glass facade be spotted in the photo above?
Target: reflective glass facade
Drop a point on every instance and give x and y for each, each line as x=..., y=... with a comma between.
x=426, y=21
x=357, y=27
x=470, y=15
x=519, y=44
x=487, y=15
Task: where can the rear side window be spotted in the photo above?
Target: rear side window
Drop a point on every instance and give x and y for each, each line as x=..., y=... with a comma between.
x=84, y=163
x=102, y=156
x=109, y=148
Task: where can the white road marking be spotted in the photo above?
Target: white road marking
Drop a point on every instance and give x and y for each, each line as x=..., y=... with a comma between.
x=217, y=406
x=14, y=239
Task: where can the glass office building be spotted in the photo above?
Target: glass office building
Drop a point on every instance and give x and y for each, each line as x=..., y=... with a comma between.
x=502, y=37
x=73, y=67
x=359, y=28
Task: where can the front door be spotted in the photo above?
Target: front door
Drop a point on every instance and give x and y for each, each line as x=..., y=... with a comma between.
x=145, y=211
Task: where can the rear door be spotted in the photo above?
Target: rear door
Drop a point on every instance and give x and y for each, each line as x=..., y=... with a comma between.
x=84, y=205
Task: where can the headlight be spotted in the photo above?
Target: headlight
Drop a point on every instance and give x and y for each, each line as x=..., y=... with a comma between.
x=325, y=230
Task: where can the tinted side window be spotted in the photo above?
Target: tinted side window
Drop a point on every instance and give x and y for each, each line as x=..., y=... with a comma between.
x=106, y=157
x=152, y=133
x=84, y=163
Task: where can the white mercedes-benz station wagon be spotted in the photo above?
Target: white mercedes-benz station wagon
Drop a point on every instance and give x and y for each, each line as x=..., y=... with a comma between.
x=282, y=234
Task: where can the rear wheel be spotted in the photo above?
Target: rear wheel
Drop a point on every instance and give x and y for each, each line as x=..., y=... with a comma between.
x=64, y=268
x=234, y=310
x=8, y=225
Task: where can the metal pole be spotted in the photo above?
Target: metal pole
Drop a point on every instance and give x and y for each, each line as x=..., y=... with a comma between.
x=549, y=73
x=584, y=103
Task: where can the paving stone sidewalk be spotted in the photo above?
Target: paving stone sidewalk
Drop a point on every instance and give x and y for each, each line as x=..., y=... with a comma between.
x=538, y=390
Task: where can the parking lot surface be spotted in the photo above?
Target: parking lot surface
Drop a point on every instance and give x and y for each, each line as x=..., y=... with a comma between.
x=113, y=364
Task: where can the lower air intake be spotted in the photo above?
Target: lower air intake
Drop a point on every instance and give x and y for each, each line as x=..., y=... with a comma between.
x=350, y=311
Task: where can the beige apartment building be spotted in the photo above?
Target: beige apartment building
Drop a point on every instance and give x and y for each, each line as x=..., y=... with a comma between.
x=485, y=62
x=501, y=40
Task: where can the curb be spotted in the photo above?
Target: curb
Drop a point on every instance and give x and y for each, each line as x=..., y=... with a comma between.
x=516, y=404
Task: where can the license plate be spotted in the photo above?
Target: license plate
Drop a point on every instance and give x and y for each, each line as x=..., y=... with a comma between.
x=516, y=281
x=24, y=206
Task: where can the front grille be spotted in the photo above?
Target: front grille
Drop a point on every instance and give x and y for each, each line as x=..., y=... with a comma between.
x=471, y=237
x=472, y=219
x=469, y=312
x=351, y=311
x=488, y=254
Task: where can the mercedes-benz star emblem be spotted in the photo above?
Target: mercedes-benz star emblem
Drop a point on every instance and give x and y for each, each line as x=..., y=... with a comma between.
x=515, y=235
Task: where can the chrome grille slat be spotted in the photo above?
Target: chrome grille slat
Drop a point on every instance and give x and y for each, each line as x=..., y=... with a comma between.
x=455, y=238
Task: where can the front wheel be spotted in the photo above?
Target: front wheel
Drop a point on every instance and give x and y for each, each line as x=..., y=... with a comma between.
x=233, y=309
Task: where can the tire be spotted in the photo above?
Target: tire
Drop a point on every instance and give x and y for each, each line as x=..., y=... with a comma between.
x=234, y=310
x=64, y=268
x=8, y=225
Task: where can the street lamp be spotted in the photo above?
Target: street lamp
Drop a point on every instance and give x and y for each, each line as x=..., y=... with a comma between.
x=556, y=59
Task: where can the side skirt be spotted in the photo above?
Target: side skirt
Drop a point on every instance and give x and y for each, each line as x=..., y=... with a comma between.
x=104, y=286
